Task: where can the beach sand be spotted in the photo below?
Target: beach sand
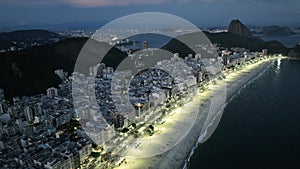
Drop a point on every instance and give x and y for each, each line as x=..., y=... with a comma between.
x=174, y=158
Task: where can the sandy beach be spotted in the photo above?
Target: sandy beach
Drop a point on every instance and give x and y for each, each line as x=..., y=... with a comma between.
x=171, y=145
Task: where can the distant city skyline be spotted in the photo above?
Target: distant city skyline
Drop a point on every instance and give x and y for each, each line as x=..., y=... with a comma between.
x=203, y=13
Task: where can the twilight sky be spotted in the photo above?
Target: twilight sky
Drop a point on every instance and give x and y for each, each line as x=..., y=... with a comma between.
x=202, y=13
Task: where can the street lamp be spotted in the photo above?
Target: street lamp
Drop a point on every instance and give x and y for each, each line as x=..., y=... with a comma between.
x=139, y=105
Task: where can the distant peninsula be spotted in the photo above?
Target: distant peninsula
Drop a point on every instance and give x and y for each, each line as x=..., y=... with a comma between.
x=274, y=30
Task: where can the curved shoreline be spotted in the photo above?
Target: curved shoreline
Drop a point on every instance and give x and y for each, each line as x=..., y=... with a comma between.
x=230, y=98
x=179, y=156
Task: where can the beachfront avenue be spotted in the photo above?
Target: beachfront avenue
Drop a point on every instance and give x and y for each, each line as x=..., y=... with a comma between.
x=123, y=144
x=170, y=90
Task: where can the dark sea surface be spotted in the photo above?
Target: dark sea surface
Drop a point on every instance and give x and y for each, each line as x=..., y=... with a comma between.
x=260, y=128
x=289, y=41
x=154, y=40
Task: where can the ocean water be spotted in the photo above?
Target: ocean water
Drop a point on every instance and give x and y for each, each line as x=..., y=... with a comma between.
x=154, y=40
x=289, y=41
x=260, y=128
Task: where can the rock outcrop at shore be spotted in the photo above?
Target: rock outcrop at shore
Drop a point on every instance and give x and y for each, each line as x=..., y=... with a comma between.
x=238, y=28
x=295, y=52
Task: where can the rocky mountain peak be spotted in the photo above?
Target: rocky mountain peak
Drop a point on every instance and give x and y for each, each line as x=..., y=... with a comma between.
x=238, y=28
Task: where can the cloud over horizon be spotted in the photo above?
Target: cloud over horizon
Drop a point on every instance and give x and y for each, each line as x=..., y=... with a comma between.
x=90, y=3
x=102, y=3
x=210, y=12
x=108, y=3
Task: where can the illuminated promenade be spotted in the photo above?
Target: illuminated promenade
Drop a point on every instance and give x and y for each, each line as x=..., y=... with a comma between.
x=182, y=120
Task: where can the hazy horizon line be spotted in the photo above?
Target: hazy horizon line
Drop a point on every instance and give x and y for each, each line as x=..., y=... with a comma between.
x=92, y=24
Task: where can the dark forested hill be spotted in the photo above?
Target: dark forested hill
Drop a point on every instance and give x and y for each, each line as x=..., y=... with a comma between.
x=31, y=71
x=228, y=40
x=22, y=39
